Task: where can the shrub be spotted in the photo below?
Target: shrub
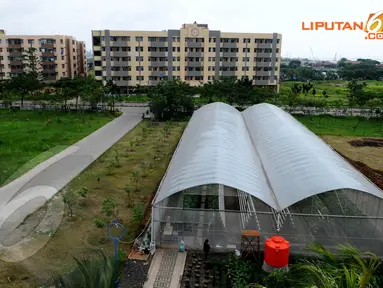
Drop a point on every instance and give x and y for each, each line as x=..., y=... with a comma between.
x=99, y=223
x=138, y=214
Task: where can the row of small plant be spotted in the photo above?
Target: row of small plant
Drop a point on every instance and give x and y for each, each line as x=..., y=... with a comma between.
x=109, y=205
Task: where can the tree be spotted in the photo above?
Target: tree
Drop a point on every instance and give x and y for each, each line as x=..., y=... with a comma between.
x=295, y=64
x=314, y=92
x=135, y=175
x=128, y=191
x=348, y=268
x=171, y=99
x=356, y=94
x=70, y=199
x=109, y=207
x=111, y=89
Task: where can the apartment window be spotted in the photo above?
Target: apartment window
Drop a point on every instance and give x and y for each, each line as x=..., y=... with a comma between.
x=61, y=42
x=212, y=39
x=127, y=78
x=139, y=58
x=74, y=57
x=64, y=74
x=140, y=78
x=72, y=42
x=176, y=49
x=245, y=59
x=139, y=68
x=98, y=73
x=1, y=41
x=62, y=57
x=74, y=50
x=31, y=41
x=246, y=50
x=245, y=68
x=62, y=65
x=139, y=49
x=211, y=49
x=139, y=38
x=176, y=39
x=246, y=40
x=277, y=50
x=97, y=53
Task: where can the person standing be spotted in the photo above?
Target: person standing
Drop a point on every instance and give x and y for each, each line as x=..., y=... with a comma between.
x=206, y=248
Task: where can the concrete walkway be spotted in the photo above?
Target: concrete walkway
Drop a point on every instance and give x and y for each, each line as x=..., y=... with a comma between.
x=27, y=193
x=166, y=269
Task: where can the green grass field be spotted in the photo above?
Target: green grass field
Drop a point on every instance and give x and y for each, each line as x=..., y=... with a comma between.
x=336, y=90
x=343, y=126
x=27, y=138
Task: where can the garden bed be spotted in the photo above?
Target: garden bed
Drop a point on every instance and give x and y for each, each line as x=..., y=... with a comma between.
x=370, y=142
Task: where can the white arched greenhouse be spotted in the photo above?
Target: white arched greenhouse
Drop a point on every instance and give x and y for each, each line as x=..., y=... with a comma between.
x=261, y=169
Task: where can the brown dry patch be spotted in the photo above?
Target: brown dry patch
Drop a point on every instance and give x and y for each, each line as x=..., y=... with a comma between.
x=371, y=156
x=371, y=142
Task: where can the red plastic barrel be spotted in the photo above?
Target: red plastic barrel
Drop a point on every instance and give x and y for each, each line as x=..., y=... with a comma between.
x=277, y=251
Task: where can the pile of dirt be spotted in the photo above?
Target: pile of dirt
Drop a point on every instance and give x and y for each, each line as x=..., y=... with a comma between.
x=370, y=142
x=376, y=176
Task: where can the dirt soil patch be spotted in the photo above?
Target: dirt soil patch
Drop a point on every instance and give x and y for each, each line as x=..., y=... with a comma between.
x=371, y=156
x=371, y=142
x=374, y=175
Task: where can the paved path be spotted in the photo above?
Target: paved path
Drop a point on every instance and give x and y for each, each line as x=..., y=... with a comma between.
x=27, y=193
x=166, y=269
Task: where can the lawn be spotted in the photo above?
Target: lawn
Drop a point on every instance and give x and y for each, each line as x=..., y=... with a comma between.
x=27, y=138
x=143, y=154
x=336, y=90
x=343, y=126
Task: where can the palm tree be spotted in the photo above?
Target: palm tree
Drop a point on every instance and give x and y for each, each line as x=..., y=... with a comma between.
x=90, y=272
x=349, y=268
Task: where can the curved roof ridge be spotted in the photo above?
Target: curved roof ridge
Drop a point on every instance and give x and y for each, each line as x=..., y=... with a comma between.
x=287, y=148
x=216, y=148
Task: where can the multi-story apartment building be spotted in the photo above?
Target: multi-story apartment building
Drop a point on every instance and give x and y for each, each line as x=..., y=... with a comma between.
x=60, y=56
x=193, y=54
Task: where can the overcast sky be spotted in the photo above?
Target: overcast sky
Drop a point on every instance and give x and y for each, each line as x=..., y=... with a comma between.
x=79, y=17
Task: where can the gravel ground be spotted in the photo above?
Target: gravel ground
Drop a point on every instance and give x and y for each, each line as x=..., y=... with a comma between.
x=134, y=274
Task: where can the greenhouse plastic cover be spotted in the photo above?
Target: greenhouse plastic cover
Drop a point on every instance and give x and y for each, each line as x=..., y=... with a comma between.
x=263, y=151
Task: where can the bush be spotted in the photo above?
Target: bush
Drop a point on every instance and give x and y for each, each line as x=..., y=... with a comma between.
x=99, y=223
x=138, y=214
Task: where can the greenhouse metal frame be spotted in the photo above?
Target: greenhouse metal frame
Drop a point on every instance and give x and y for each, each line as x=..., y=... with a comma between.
x=261, y=169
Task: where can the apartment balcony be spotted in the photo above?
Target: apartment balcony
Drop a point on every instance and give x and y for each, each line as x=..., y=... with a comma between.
x=120, y=63
x=16, y=62
x=119, y=43
x=194, y=73
x=122, y=83
x=263, y=64
x=229, y=45
x=265, y=45
x=227, y=73
x=265, y=82
x=15, y=54
x=228, y=64
x=121, y=73
x=158, y=54
x=194, y=64
x=48, y=46
x=120, y=53
x=194, y=44
x=263, y=73
x=194, y=54
x=46, y=63
x=49, y=70
x=264, y=55
x=158, y=73
x=229, y=54
x=17, y=70
x=15, y=46
x=158, y=44
x=158, y=64
x=48, y=54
